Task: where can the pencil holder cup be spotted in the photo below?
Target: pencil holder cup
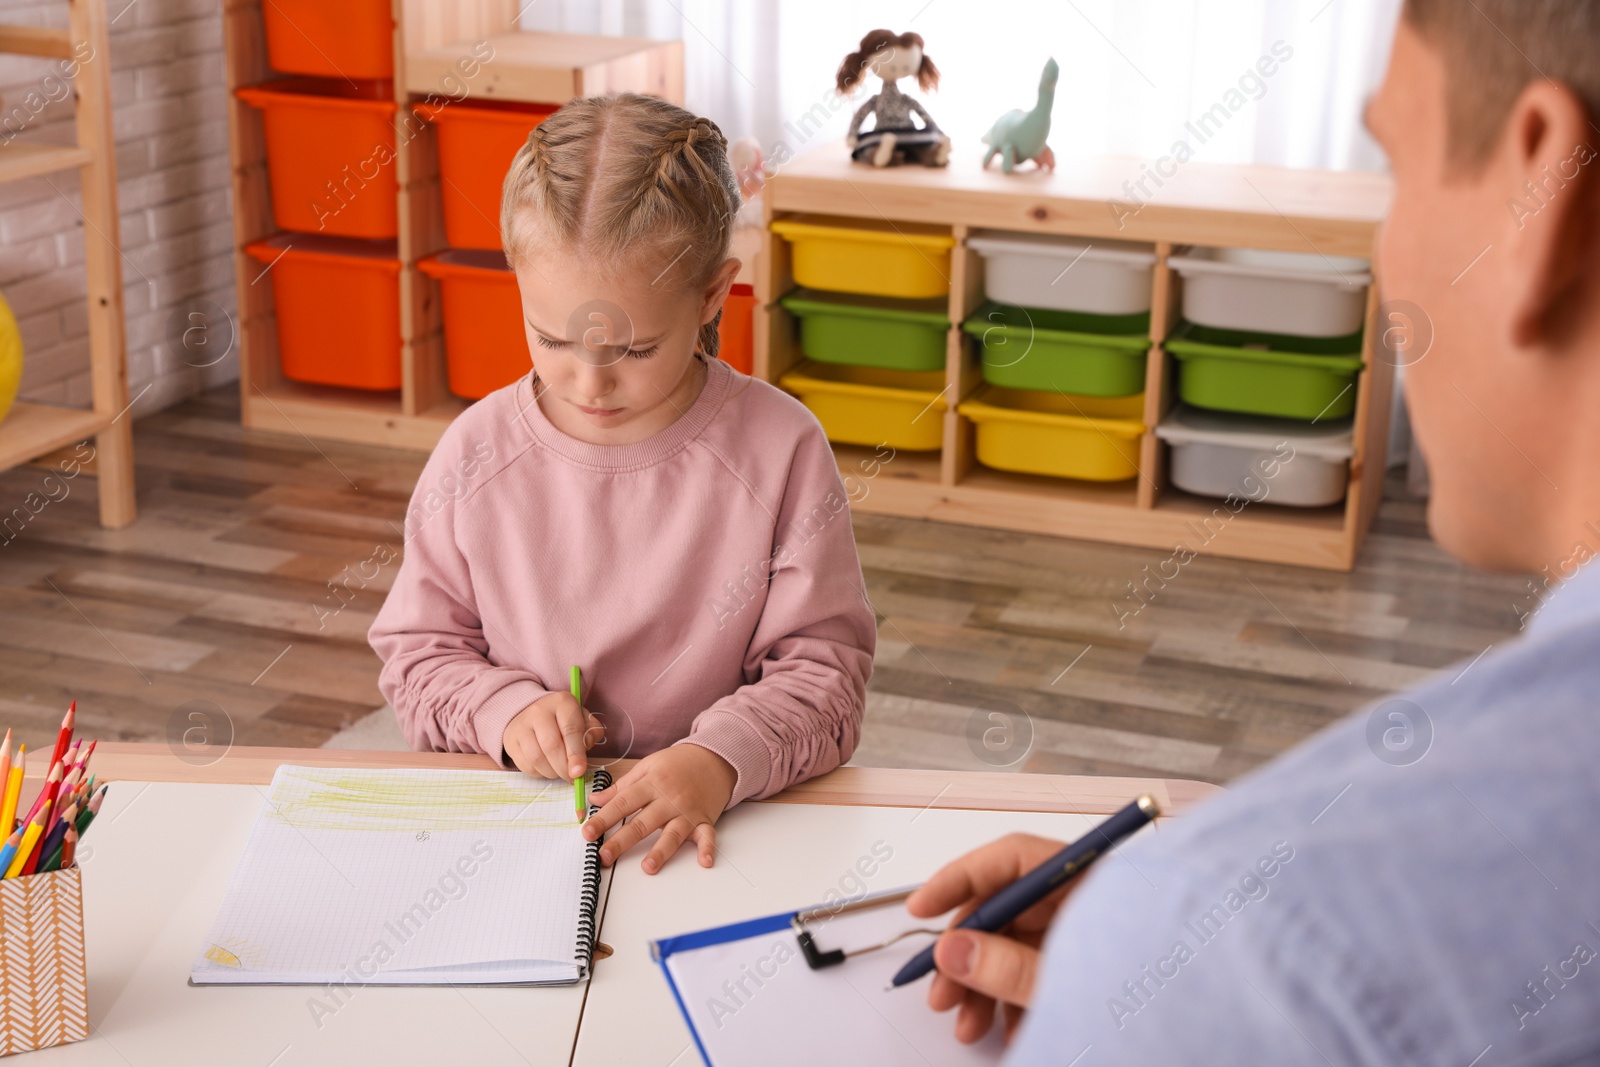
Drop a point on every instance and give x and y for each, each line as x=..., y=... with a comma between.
x=44, y=997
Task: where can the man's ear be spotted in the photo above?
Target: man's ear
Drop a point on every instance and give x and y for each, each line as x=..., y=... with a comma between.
x=717, y=289
x=1548, y=152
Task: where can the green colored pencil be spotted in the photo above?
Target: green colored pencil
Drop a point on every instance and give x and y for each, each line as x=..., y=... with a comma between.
x=580, y=784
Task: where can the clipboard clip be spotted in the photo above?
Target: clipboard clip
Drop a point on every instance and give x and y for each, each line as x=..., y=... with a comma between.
x=818, y=958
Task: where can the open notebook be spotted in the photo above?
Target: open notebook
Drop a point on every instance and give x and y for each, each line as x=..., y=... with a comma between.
x=408, y=877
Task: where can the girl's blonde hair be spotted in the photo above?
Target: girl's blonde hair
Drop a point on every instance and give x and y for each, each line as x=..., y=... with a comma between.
x=629, y=180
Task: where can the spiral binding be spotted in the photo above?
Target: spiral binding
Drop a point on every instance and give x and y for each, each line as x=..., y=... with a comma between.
x=589, y=899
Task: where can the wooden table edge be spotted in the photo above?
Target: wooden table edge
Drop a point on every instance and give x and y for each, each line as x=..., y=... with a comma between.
x=859, y=786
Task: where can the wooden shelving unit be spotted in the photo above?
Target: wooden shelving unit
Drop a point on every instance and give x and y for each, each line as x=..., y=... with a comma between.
x=32, y=431
x=1333, y=213
x=436, y=42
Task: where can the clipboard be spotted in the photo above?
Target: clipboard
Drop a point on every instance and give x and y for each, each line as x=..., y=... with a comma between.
x=809, y=986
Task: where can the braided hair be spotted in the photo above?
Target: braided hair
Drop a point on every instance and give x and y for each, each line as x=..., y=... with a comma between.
x=632, y=181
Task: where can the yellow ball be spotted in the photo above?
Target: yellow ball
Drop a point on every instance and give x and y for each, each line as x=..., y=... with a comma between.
x=10, y=358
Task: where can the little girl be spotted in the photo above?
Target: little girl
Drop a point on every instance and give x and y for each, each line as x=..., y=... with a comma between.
x=634, y=507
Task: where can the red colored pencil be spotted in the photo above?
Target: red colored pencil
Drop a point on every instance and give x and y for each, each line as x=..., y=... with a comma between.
x=69, y=847
x=54, y=785
x=84, y=762
x=46, y=793
x=65, y=737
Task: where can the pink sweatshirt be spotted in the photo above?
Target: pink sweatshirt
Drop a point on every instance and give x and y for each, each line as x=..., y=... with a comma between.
x=705, y=580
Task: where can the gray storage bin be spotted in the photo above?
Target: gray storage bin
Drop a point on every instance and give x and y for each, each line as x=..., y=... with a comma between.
x=1213, y=454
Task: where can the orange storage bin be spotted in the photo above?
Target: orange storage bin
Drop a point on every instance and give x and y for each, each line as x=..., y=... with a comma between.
x=338, y=307
x=477, y=142
x=349, y=39
x=736, y=331
x=330, y=155
x=485, y=346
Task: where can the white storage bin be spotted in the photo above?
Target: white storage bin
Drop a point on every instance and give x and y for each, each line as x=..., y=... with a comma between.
x=1031, y=270
x=1305, y=295
x=1213, y=454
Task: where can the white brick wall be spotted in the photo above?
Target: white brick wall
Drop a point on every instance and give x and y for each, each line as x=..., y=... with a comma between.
x=170, y=119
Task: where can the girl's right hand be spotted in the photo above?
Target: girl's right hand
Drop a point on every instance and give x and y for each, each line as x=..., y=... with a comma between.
x=551, y=737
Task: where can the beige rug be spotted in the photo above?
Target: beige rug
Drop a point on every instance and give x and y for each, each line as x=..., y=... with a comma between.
x=376, y=732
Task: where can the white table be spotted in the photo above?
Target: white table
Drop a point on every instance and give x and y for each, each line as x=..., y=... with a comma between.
x=158, y=860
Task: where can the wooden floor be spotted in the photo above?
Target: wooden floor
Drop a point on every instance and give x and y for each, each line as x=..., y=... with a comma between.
x=214, y=612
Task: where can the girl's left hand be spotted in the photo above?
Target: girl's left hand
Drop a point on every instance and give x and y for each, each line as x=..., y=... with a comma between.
x=680, y=791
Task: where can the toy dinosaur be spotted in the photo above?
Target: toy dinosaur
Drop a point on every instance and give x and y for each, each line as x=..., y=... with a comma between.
x=1018, y=136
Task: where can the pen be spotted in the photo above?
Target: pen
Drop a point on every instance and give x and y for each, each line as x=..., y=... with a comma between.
x=1025, y=892
x=580, y=784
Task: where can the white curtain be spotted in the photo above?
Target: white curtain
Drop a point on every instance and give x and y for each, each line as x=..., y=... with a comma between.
x=1133, y=72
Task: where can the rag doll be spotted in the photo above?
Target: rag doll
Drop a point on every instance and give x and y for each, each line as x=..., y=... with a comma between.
x=894, y=138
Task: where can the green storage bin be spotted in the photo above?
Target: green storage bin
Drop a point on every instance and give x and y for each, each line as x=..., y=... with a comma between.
x=1061, y=351
x=1266, y=374
x=867, y=331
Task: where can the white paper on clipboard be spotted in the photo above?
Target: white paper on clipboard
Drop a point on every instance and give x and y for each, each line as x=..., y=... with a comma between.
x=750, y=998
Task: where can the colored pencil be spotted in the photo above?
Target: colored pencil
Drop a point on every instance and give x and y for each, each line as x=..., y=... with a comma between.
x=87, y=815
x=58, y=830
x=69, y=798
x=580, y=784
x=30, y=862
x=69, y=785
x=30, y=837
x=13, y=791
x=5, y=764
x=8, y=851
x=65, y=737
x=47, y=793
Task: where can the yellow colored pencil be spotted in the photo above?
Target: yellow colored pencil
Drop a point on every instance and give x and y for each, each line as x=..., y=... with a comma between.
x=29, y=838
x=13, y=791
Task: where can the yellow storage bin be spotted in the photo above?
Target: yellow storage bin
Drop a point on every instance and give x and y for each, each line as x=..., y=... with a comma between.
x=872, y=406
x=868, y=256
x=1095, y=438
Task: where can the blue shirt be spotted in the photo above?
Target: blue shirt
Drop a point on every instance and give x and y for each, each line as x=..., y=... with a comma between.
x=1418, y=884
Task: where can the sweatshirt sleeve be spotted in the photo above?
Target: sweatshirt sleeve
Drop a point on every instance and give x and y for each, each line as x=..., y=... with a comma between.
x=438, y=673
x=811, y=654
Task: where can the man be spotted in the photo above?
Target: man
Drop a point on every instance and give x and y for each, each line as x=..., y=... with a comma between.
x=1421, y=882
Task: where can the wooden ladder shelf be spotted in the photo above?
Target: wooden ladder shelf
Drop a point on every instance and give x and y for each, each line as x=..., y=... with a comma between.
x=30, y=432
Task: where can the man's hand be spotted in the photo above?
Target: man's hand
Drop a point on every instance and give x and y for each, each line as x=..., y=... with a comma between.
x=977, y=969
x=551, y=737
x=680, y=791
